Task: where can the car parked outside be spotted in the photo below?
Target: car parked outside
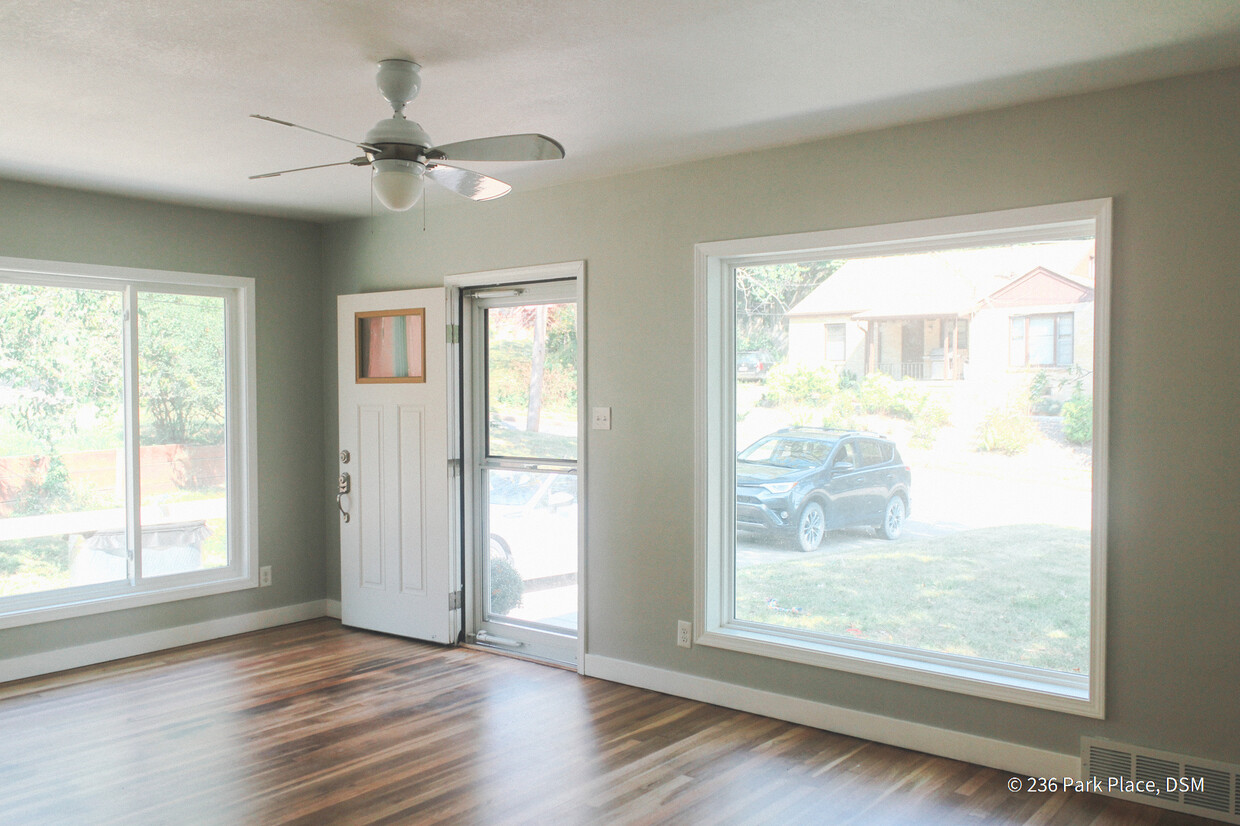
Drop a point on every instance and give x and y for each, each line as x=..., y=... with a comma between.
x=532, y=521
x=753, y=366
x=799, y=483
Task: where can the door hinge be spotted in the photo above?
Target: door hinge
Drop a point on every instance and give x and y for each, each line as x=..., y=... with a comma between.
x=456, y=599
x=454, y=468
x=454, y=333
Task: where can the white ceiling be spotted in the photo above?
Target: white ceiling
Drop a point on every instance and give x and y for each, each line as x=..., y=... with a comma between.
x=151, y=97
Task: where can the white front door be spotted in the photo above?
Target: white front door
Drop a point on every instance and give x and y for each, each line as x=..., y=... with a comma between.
x=398, y=570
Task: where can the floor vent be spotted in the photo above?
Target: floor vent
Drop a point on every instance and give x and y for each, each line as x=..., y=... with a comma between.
x=1170, y=781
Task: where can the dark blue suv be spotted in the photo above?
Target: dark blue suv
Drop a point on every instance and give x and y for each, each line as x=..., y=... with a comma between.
x=802, y=482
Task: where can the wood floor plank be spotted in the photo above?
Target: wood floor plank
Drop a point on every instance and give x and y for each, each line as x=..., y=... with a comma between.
x=317, y=724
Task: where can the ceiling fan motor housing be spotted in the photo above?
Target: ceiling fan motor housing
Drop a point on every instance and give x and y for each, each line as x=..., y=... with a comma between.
x=398, y=138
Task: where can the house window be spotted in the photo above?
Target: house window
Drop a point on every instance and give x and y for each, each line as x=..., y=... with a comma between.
x=127, y=467
x=1042, y=340
x=945, y=538
x=835, y=343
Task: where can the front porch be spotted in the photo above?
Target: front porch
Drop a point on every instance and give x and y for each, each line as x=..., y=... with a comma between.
x=922, y=349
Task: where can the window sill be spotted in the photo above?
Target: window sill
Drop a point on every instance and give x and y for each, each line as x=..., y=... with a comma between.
x=98, y=600
x=1034, y=687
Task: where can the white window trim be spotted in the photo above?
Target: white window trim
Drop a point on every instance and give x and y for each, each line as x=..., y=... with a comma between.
x=242, y=445
x=715, y=452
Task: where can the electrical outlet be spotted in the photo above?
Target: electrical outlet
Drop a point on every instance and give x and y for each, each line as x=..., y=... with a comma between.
x=264, y=576
x=602, y=418
x=684, y=634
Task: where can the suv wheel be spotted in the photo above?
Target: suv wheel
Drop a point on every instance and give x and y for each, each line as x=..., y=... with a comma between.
x=811, y=526
x=893, y=519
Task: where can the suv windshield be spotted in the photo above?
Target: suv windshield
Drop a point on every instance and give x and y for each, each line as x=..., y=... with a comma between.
x=791, y=453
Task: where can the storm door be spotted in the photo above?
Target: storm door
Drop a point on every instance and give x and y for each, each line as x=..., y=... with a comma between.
x=522, y=481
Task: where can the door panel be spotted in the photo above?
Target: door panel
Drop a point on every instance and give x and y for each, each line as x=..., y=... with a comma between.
x=412, y=503
x=369, y=510
x=397, y=562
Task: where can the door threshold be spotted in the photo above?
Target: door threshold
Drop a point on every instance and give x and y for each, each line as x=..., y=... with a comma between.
x=504, y=652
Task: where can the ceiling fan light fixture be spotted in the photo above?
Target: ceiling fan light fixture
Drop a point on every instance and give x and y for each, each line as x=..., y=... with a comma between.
x=398, y=183
x=402, y=155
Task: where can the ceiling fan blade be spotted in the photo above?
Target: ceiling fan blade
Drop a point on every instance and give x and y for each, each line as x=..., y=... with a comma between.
x=362, y=161
x=527, y=147
x=467, y=182
x=365, y=146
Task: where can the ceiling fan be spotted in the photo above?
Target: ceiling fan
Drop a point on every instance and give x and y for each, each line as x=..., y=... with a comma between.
x=402, y=155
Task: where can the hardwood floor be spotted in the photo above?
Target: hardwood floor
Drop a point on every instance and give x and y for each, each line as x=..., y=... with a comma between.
x=316, y=724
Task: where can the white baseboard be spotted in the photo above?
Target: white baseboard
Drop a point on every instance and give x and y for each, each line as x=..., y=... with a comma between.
x=61, y=659
x=333, y=608
x=971, y=748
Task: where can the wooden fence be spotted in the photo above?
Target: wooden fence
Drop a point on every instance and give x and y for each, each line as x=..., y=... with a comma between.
x=163, y=469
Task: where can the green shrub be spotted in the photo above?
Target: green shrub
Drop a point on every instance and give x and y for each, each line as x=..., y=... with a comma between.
x=880, y=394
x=801, y=384
x=928, y=418
x=1039, y=387
x=840, y=412
x=877, y=393
x=48, y=554
x=910, y=402
x=1045, y=406
x=507, y=589
x=53, y=492
x=1078, y=418
x=802, y=416
x=1008, y=430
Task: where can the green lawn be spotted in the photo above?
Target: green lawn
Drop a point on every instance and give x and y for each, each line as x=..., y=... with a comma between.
x=1016, y=594
x=35, y=564
x=507, y=441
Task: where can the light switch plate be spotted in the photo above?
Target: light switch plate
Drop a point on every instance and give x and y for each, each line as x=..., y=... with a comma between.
x=602, y=418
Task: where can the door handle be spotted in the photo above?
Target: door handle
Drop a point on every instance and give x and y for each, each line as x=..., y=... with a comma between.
x=343, y=485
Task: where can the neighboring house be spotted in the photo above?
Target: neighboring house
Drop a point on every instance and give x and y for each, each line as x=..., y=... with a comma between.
x=962, y=314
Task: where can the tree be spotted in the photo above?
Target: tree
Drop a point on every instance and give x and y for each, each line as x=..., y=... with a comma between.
x=537, y=361
x=181, y=367
x=60, y=355
x=553, y=348
x=764, y=295
x=60, y=350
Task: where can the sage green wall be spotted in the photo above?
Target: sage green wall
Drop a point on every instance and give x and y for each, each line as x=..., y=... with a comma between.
x=284, y=259
x=1166, y=152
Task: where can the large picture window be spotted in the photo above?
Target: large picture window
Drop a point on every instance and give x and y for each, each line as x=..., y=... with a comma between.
x=126, y=464
x=925, y=504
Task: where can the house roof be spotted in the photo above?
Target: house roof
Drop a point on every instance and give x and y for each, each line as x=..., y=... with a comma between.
x=1040, y=286
x=947, y=283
